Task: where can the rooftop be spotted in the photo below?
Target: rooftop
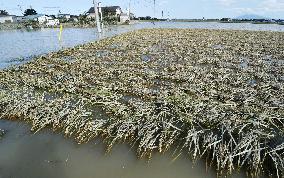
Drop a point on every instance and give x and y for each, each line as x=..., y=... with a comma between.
x=31, y=17
x=108, y=8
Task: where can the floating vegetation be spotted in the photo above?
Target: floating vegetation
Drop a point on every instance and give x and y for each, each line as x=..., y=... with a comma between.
x=2, y=133
x=191, y=93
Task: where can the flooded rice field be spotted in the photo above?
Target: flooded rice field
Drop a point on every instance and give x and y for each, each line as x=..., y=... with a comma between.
x=47, y=154
x=20, y=46
x=213, y=95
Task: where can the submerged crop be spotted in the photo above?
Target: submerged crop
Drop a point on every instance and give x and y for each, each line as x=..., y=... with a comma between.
x=213, y=93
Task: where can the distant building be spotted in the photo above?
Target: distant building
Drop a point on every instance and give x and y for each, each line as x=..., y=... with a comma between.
x=52, y=23
x=33, y=17
x=8, y=18
x=64, y=16
x=279, y=21
x=226, y=19
x=40, y=18
x=44, y=19
x=124, y=18
x=20, y=19
x=264, y=20
x=107, y=11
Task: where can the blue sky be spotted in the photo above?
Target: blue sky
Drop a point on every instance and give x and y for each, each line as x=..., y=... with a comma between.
x=171, y=8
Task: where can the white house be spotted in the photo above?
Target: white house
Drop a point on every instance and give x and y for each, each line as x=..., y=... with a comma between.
x=52, y=23
x=8, y=18
x=110, y=11
x=44, y=19
x=124, y=18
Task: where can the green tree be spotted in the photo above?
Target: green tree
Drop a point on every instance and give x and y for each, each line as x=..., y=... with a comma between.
x=3, y=12
x=30, y=12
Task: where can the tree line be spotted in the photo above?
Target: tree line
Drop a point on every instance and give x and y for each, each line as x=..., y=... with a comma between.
x=27, y=12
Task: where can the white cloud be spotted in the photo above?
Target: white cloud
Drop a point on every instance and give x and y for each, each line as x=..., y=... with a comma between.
x=264, y=7
x=272, y=5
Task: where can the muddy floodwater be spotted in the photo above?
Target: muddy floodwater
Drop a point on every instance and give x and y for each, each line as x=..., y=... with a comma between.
x=48, y=154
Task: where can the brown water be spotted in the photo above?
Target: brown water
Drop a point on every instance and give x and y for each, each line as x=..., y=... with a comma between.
x=47, y=154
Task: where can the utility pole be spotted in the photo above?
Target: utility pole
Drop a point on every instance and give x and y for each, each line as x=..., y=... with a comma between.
x=128, y=13
x=101, y=13
x=154, y=8
x=97, y=16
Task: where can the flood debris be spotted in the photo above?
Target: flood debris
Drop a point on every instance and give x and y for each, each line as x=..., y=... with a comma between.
x=2, y=133
x=210, y=111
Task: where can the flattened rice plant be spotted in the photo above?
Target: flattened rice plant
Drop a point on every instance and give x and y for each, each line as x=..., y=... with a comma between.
x=212, y=93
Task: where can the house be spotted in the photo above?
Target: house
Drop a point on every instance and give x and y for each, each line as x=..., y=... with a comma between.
x=107, y=11
x=8, y=18
x=44, y=19
x=52, y=22
x=20, y=19
x=41, y=18
x=124, y=18
x=64, y=16
x=33, y=17
x=280, y=21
